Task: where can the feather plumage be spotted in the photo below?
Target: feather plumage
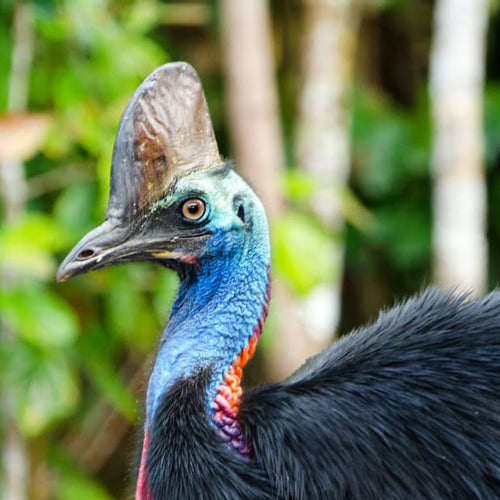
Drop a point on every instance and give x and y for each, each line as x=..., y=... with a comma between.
x=405, y=408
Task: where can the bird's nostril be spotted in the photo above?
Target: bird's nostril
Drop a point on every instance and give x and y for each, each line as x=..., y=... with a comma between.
x=85, y=254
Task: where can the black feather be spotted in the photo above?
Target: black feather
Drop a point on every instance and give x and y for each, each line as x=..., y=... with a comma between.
x=187, y=461
x=407, y=408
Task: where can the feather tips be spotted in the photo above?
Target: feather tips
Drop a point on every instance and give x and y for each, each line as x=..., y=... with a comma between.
x=405, y=408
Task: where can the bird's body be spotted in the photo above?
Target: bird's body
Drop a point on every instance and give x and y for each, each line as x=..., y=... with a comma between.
x=407, y=408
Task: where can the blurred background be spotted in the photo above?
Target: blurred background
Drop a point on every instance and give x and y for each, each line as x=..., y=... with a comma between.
x=370, y=129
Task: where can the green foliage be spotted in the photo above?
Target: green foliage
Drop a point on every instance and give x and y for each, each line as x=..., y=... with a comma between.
x=391, y=157
x=387, y=208
x=492, y=123
x=65, y=349
x=405, y=234
x=73, y=210
x=27, y=246
x=493, y=6
x=99, y=368
x=390, y=146
x=38, y=316
x=303, y=252
x=61, y=347
x=78, y=487
x=73, y=484
x=383, y=4
x=38, y=384
x=299, y=186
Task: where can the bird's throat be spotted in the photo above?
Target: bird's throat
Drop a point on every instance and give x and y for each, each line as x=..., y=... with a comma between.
x=215, y=324
x=225, y=405
x=221, y=336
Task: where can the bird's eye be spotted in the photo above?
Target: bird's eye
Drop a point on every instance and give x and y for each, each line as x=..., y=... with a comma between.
x=193, y=209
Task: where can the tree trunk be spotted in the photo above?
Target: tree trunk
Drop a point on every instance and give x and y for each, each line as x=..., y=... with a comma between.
x=322, y=145
x=456, y=86
x=252, y=99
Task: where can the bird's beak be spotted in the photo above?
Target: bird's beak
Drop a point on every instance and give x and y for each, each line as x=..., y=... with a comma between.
x=113, y=242
x=105, y=245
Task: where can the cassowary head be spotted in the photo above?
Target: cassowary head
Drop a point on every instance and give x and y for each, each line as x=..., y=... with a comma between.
x=172, y=199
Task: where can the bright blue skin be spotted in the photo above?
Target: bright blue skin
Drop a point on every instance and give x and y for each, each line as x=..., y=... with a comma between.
x=219, y=304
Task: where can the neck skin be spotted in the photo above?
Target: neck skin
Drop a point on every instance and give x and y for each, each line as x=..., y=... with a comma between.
x=217, y=317
x=215, y=322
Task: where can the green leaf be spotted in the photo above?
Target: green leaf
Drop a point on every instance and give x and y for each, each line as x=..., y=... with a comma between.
x=78, y=487
x=166, y=290
x=384, y=144
x=492, y=122
x=406, y=234
x=130, y=315
x=26, y=246
x=70, y=482
x=39, y=316
x=299, y=185
x=303, y=252
x=382, y=152
x=42, y=388
x=101, y=369
x=73, y=209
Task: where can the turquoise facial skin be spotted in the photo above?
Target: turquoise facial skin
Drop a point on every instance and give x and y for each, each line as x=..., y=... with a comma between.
x=221, y=297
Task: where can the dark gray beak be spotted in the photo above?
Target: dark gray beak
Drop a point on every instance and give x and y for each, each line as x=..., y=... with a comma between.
x=114, y=243
x=103, y=246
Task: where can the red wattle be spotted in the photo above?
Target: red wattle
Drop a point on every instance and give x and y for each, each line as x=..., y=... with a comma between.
x=142, y=491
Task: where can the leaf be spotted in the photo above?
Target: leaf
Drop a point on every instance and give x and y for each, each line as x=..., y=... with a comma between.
x=72, y=209
x=41, y=387
x=71, y=483
x=130, y=315
x=39, y=316
x=26, y=246
x=381, y=144
x=78, y=487
x=382, y=153
x=303, y=252
x=299, y=186
x=492, y=122
x=406, y=234
x=100, y=368
x=166, y=290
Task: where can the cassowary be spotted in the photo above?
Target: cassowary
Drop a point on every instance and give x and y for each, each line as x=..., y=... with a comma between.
x=407, y=408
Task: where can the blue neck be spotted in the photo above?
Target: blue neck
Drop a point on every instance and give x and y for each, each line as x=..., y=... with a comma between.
x=216, y=310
